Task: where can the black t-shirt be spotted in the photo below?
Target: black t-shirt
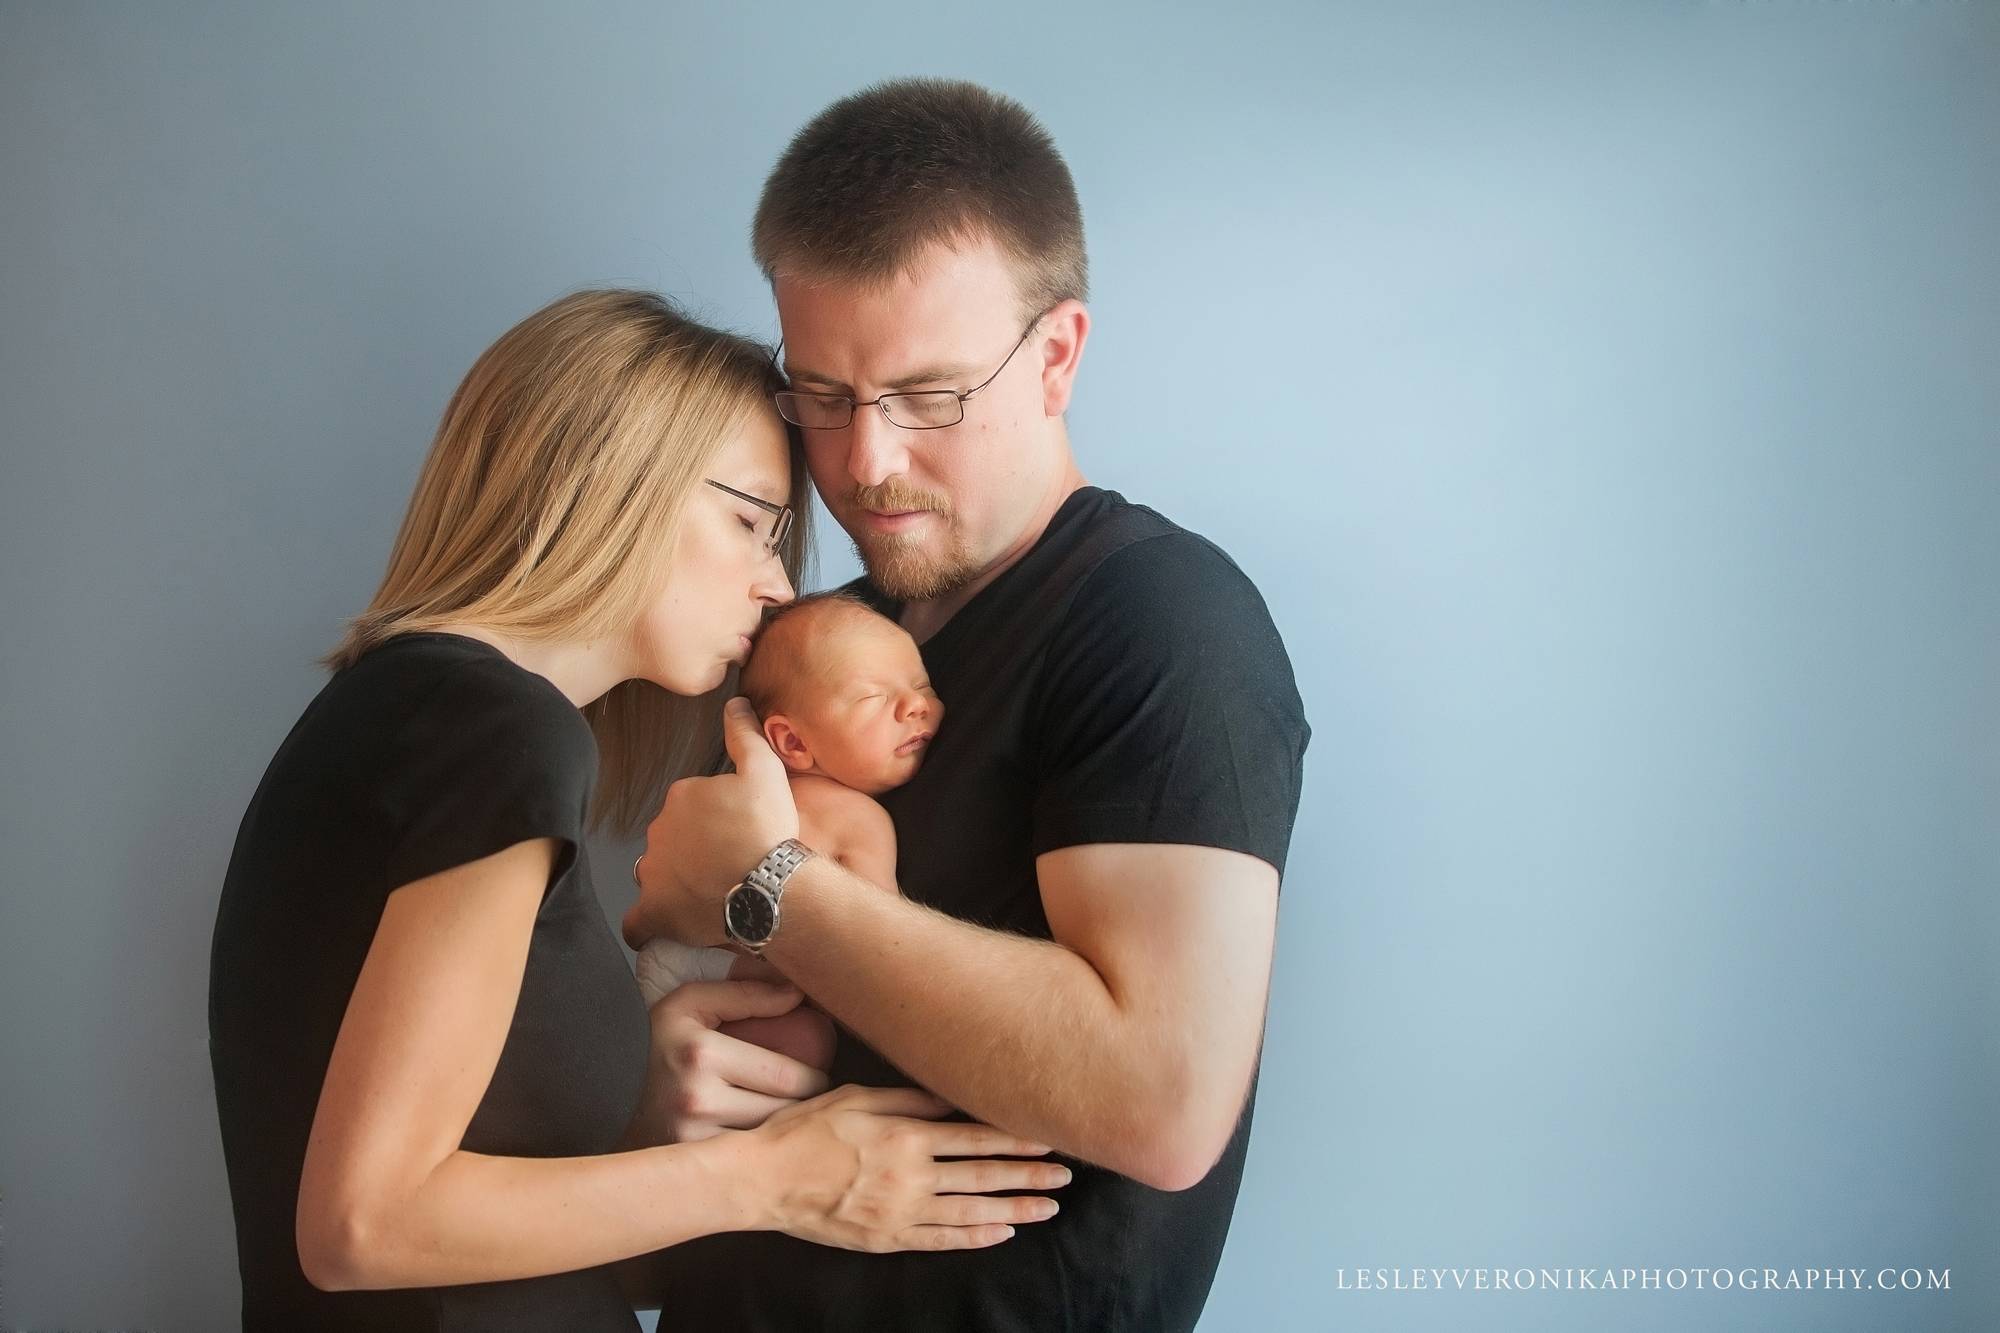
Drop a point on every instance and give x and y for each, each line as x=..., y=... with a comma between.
x=431, y=751
x=1122, y=682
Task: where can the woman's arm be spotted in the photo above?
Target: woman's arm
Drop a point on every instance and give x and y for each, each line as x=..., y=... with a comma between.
x=388, y=1199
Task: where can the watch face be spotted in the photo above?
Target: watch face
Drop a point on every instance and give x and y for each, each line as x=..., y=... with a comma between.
x=752, y=916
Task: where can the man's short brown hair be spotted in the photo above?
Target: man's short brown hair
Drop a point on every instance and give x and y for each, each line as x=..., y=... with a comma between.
x=881, y=175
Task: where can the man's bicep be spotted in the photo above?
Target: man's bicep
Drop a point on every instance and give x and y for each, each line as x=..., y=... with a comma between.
x=1176, y=930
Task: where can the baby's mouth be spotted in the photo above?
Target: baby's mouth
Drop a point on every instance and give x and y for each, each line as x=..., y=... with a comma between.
x=915, y=743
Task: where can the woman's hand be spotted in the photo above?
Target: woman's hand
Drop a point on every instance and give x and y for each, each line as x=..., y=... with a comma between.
x=858, y=1169
x=701, y=1081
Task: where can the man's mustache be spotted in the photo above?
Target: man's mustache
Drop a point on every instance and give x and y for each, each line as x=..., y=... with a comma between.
x=894, y=497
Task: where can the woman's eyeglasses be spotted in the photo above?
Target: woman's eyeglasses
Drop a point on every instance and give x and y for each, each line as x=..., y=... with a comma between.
x=773, y=532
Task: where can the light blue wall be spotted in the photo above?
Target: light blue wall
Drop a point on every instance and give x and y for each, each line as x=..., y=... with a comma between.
x=1603, y=396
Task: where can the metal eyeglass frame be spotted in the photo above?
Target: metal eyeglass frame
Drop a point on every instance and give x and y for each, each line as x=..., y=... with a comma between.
x=784, y=513
x=881, y=400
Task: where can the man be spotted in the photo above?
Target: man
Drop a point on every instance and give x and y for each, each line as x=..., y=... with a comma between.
x=1090, y=855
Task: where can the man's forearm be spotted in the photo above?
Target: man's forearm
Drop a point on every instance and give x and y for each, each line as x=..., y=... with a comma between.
x=1021, y=1033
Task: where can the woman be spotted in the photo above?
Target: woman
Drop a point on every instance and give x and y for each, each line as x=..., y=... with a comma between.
x=431, y=1060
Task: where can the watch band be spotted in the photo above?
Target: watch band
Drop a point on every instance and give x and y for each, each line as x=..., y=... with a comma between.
x=777, y=866
x=766, y=879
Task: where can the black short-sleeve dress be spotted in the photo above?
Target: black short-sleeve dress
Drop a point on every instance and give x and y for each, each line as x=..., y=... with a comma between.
x=431, y=751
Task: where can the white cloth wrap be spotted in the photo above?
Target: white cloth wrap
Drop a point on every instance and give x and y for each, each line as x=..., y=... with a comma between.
x=664, y=964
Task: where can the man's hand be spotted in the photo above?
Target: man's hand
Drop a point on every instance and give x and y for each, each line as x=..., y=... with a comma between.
x=1127, y=1040
x=709, y=834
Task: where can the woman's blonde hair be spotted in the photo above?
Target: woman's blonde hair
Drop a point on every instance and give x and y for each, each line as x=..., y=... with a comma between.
x=552, y=494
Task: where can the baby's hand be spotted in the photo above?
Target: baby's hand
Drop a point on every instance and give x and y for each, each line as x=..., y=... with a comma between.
x=805, y=1034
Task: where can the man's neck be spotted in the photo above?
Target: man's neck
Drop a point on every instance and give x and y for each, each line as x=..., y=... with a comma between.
x=923, y=619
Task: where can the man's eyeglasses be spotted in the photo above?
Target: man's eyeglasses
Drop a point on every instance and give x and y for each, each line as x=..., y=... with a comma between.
x=771, y=532
x=928, y=409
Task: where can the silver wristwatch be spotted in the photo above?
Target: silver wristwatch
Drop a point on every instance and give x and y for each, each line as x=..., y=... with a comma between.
x=750, y=912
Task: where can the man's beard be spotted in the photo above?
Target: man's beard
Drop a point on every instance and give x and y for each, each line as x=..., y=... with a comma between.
x=902, y=565
x=907, y=572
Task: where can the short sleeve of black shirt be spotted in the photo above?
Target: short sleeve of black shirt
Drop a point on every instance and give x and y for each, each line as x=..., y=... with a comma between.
x=1168, y=712
x=483, y=764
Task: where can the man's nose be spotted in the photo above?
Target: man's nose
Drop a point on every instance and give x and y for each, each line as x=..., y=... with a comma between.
x=876, y=449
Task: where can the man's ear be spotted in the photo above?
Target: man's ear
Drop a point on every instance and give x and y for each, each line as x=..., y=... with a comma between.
x=1065, y=328
x=785, y=739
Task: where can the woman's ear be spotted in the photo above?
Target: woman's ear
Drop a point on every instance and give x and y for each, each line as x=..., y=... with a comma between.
x=791, y=746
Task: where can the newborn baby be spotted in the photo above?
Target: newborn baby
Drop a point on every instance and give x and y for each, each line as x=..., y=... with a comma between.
x=844, y=699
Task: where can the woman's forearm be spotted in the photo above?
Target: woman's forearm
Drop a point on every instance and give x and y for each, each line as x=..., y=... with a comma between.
x=482, y=1219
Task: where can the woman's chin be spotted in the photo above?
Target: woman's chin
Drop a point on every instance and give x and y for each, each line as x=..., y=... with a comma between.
x=691, y=683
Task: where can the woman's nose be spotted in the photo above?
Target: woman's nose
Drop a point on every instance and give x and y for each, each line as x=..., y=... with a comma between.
x=773, y=586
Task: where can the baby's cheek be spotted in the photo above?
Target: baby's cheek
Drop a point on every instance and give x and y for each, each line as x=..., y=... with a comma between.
x=891, y=771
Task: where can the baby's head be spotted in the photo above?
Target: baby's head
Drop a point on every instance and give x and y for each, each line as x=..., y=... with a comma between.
x=842, y=691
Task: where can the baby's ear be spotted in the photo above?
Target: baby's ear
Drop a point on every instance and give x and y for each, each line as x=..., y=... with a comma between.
x=791, y=746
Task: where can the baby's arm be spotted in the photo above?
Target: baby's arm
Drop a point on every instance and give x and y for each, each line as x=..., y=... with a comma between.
x=848, y=826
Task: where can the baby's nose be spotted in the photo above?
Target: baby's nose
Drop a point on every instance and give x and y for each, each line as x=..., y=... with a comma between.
x=915, y=706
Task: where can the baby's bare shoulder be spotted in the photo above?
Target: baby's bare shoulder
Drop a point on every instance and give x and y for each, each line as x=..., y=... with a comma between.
x=828, y=802
x=850, y=826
